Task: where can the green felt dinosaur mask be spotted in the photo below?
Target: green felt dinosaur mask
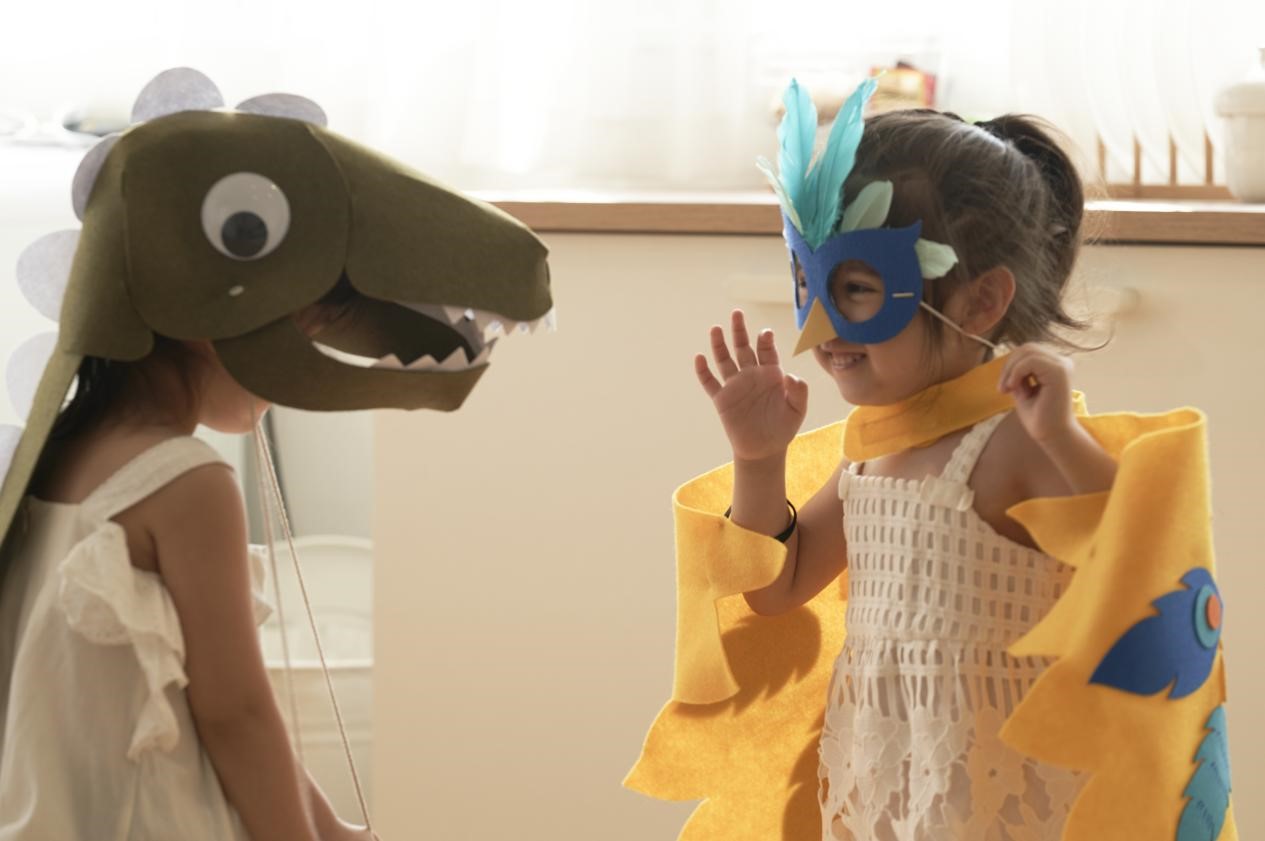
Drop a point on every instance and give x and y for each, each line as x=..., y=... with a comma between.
x=224, y=224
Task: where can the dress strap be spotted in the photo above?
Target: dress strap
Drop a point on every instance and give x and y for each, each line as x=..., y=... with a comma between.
x=962, y=462
x=146, y=473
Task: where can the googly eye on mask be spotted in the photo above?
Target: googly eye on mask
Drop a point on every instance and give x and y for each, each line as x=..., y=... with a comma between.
x=853, y=278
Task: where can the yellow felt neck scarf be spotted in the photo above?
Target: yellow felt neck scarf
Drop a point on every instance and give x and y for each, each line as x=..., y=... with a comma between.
x=875, y=431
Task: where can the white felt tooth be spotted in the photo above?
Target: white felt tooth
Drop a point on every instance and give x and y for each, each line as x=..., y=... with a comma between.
x=551, y=320
x=25, y=368
x=523, y=327
x=389, y=361
x=285, y=105
x=456, y=361
x=44, y=269
x=9, y=437
x=426, y=363
x=175, y=90
x=343, y=356
x=86, y=174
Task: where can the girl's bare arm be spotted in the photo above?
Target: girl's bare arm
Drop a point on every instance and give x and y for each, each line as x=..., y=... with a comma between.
x=199, y=531
x=815, y=553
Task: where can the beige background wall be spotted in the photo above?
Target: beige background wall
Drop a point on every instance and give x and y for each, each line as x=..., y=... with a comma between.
x=524, y=576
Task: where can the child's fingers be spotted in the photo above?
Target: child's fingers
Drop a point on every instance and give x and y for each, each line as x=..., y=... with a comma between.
x=1015, y=361
x=720, y=352
x=765, y=348
x=742, y=342
x=705, y=378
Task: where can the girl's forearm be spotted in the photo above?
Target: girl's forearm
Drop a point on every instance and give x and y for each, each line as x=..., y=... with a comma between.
x=252, y=756
x=759, y=502
x=1085, y=465
x=329, y=827
x=759, y=505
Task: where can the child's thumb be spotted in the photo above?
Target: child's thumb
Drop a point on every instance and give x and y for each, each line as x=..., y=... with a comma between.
x=796, y=393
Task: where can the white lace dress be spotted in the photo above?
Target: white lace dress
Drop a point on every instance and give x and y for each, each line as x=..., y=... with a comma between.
x=910, y=748
x=96, y=738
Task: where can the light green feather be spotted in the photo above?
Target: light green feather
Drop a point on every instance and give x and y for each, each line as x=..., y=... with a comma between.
x=869, y=209
x=765, y=167
x=936, y=258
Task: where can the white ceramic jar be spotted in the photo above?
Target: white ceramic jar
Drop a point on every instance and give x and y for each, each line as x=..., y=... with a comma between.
x=1243, y=107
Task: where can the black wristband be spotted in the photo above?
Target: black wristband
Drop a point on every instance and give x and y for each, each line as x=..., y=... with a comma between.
x=786, y=533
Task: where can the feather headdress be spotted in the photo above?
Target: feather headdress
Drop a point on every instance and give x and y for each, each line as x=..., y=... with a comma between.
x=811, y=190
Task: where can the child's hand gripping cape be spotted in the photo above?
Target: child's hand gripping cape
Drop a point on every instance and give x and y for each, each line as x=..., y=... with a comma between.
x=1134, y=695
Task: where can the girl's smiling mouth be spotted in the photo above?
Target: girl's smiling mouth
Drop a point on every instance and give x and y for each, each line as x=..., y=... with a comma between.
x=845, y=361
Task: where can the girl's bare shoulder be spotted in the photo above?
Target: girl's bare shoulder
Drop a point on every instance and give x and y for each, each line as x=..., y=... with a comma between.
x=206, y=496
x=1013, y=461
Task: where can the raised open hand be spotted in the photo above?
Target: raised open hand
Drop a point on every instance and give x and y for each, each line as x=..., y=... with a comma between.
x=760, y=406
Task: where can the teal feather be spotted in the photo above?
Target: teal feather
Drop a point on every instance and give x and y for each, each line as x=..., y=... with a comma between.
x=796, y=138
x=826, y=178
x=1209, y=787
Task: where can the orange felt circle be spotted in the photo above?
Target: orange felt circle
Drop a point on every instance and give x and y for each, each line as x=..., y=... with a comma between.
x=1213, y=612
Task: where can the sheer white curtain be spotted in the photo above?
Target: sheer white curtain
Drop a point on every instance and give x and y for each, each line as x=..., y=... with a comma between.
x=655, y=94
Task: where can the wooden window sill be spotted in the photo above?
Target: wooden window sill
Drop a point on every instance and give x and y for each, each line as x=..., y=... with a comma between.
x=1117, y=220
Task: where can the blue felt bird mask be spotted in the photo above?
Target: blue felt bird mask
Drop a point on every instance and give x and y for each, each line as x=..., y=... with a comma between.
x=821, y=234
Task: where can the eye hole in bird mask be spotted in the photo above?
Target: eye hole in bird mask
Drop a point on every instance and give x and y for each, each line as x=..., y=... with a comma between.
x=856, y=289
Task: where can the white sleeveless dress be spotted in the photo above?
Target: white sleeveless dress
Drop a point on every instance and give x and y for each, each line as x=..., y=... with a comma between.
x=910, y=749
x=96, y=738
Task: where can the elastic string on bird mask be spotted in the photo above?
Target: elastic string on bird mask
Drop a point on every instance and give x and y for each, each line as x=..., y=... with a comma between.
x=824, y=237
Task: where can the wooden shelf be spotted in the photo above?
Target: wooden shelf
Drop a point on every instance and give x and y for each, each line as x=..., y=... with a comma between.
x=1128, y=220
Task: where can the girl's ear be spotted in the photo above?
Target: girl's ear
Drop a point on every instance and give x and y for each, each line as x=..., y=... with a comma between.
x=989, y=298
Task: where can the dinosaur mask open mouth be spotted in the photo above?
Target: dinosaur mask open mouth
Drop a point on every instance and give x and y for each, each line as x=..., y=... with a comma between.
x=419, y=337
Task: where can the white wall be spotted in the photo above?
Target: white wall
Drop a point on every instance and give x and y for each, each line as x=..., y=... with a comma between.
x=524, y=582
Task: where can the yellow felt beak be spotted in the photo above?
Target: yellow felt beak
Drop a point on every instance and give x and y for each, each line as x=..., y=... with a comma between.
x=817, y=329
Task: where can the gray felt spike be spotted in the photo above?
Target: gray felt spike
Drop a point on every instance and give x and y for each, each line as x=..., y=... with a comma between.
x=25, y=368
x=86, y=174
x=44, y=269
x=9, y=437
x=175, y=90
x=285, y=105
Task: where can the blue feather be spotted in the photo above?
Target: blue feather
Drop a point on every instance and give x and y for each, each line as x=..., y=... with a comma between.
x=1163, y=649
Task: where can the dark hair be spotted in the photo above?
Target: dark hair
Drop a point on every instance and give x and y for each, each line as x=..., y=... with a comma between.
x=100, y=382
x=1001, y=192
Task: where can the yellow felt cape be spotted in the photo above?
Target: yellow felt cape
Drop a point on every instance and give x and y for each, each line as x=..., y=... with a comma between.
x=741, y=730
